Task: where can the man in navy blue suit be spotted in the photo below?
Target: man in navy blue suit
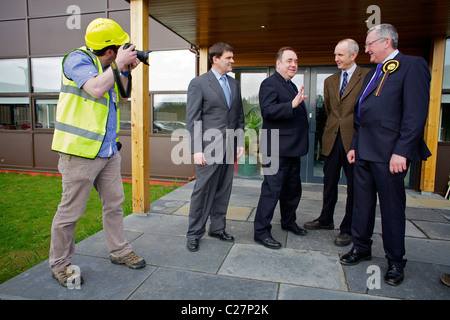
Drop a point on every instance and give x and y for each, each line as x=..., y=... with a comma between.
x=390, y=115
x=284, y=116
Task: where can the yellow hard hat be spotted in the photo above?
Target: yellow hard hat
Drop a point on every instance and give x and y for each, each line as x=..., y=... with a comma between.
x=102, y=32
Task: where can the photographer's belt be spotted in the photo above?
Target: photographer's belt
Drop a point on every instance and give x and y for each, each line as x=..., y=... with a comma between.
x=119, y=81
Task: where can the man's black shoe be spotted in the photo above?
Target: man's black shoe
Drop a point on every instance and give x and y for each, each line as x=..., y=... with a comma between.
x=269, y=243
x=222, y=236
x=315, y=224
x=192, y=245
x=394, y=275
x=295, y=229
x=354, y=257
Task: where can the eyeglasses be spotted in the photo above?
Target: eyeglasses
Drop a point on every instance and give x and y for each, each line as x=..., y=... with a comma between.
x=372, y=42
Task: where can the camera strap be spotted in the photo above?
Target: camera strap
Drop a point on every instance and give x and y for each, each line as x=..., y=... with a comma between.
x=119, y=81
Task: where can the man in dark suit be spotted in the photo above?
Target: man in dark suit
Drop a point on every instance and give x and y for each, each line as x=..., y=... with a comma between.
x=340, y=92
x=390, y=115
x=215, y=117
x=284, y=115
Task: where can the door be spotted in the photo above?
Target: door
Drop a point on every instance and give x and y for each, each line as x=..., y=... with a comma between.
x=317, y=120
x=313, y=79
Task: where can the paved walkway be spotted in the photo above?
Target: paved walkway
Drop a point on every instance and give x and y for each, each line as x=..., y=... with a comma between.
x=305, y=268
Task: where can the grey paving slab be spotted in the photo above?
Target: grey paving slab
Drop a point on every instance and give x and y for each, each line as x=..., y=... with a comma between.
x=421, y=280
x=317, y=240
x=285, y=266
x=410, y=230
x=169, y=284
x=102, y=281
x=444, y=213
x=428, y=251
x=434, y=230
x=181, y=194
x=293, y=292
x=157, y=223
x=424, y=214
x=166, y=206
x=170, y=251
x=95, y=245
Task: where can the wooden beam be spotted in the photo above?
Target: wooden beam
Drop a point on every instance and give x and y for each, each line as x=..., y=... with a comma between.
x=431, y=133
x=203, y=61
x=140, y=121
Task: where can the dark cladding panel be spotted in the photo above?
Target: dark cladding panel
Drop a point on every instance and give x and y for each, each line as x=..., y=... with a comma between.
x=13, y=9
x=44, y=157
x=38, y=8
x=52, y=36
x=118, y=4
x=16, y=149
x=13, y=37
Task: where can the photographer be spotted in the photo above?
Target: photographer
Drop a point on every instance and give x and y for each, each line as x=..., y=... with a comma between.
x=86, y=137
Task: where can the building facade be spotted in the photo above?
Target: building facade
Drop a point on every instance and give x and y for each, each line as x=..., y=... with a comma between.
x=36, y=34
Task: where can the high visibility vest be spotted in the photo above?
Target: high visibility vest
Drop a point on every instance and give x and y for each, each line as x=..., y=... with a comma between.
x=81, y=119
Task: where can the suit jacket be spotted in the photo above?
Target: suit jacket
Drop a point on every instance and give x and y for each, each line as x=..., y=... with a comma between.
x=339, y=110
x=275, y=100
x=393, y=122
x=207, y=108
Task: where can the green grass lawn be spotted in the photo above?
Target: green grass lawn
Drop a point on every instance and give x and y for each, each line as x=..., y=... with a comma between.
x=27, y=206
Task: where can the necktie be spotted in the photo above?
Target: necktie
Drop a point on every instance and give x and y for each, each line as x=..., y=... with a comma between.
x=291, y=85
x=370, y=85
x=344, y=84
x=226, y=88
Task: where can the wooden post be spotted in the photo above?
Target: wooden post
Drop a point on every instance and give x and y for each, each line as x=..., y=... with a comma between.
x=140, y=121
x=431, y=133
x=203, y=61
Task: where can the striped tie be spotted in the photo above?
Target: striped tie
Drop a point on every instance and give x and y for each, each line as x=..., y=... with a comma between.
x=344, y=84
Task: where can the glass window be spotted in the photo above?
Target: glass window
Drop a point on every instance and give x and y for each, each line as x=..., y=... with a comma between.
x=46, y=113
x=46, y=74
x=169, y=112
x=171, y=70
x=13, y=75
x=125, y=115
x=444, y=123
x=321, y=119
x=446, y=79
x=14, y=114
x=250, y=83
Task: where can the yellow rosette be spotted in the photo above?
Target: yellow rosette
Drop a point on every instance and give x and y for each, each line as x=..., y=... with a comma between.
x=388, y=67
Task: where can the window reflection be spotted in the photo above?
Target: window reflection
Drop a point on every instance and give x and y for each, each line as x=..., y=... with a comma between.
x=321, y=119
x=14, y=114
x=46, y=74
x=250, y=83
x=445, y=118
x=125, y=115
x=446, y=77
x=169, y=112
x=45, y=113
x=171, y=70
x=13, y=75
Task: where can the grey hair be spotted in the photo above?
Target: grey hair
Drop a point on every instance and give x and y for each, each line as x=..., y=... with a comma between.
x=352, y=45
x=386, y=31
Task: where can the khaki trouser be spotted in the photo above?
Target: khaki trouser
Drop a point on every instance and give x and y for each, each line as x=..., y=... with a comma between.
x=78, y=177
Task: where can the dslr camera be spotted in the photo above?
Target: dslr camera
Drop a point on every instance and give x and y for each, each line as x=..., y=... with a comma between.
x=141, y=55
